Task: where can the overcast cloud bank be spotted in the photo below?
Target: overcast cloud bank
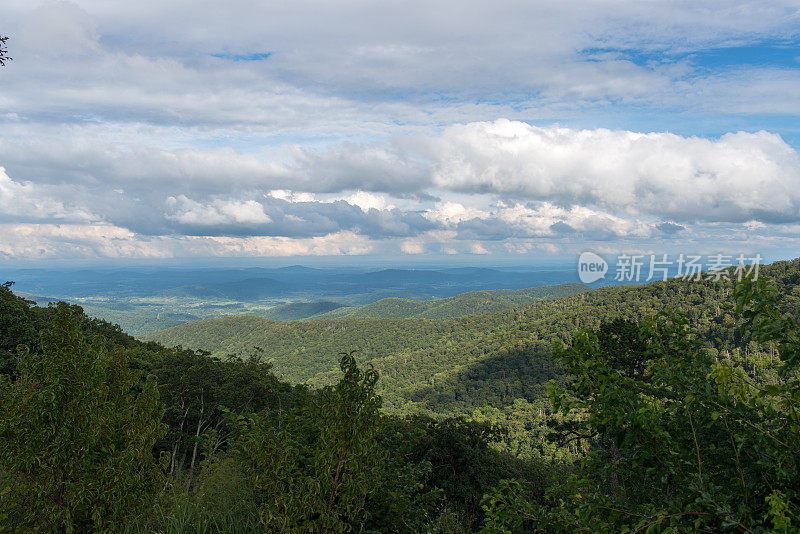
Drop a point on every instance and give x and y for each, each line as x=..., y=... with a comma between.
x=250, y=128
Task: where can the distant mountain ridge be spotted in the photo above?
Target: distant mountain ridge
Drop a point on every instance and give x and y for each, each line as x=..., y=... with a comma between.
x=245, y=290
x=350, y=286
x=469, y=303
x=151, y=298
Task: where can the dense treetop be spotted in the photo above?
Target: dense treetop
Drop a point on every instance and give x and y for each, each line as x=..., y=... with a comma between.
x=669, y=407
x=457, y=365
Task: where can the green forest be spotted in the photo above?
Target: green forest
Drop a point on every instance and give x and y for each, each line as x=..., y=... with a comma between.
x=668, y=407
x=469, y=303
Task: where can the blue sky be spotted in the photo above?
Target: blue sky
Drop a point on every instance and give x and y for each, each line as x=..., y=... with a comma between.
x=184, y=129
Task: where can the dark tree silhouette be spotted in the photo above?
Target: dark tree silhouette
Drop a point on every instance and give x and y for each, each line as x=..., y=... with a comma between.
x=4, y=51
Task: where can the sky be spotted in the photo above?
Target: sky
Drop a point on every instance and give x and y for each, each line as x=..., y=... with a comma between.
x=399, y=129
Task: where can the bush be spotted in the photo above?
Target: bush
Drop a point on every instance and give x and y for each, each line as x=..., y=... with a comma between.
x=678, y=440
x=77, y=436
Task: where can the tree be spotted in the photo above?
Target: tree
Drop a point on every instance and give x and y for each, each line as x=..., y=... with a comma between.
x=4, y=51
x=198, y=390
x=17, y=327
x=77, y=429
x=680, y=441
x=314, y=468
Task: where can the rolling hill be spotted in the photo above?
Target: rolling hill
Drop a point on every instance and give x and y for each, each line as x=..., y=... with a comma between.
x=470, y=303
x=299, y=310
x=455, y=366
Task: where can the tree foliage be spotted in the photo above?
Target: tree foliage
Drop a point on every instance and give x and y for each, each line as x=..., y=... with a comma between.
x=18, y=327
x=77, y=430
x=684, y=422
x=452, y=367
x=679, y=440
x=314, y=467
x=4, y=51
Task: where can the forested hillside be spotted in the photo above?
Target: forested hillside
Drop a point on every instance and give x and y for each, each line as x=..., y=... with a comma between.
x=146, y=299
x=101, y=432
x=455, y=366
x=672, y=406
x=470, y=303
x=299, y=310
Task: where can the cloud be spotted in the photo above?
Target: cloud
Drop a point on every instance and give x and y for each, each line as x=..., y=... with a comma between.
x=739, y=177
x=59, y=29
x=670, y=228
x=289, y=214
x=51, y=241
x=292, y=196
x=450, y=213
x=335, y=244
x=87, y=157
x=218, y=212
x=30, y=202
x=362, y=167
x=368, y=201
x=477, y=248
x=236, y=127
x=546, y=220
x=412, y=247
x=560, y=227
x=494, y=181
x=366, y=68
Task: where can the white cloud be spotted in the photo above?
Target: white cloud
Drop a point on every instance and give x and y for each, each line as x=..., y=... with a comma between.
x=477, y=248
x=380, y=119
x=754, y=225
x=541, y=220
x=450, y=213
x=28, y=201
x=217, y=212
x=133, y=158
x=412, y=247
x=368, y=201
x=60, y=29
x=736, y=178
x=292, y=196
x=339, y=243
x=50, y=241
x=495, y=181
x=361, y=68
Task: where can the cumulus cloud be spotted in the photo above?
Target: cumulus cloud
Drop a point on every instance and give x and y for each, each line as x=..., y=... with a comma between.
x=338, y=243
x=361, y=68
x=216, y=213
x=450, y=213
x=140, y=126
x=412, y=247
x=368, y=201
x=288, y=214
x=292, y=196
x=30, y=202
x=543, y=219
x=52, y=241
x=738, y=177
x=494, y=181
